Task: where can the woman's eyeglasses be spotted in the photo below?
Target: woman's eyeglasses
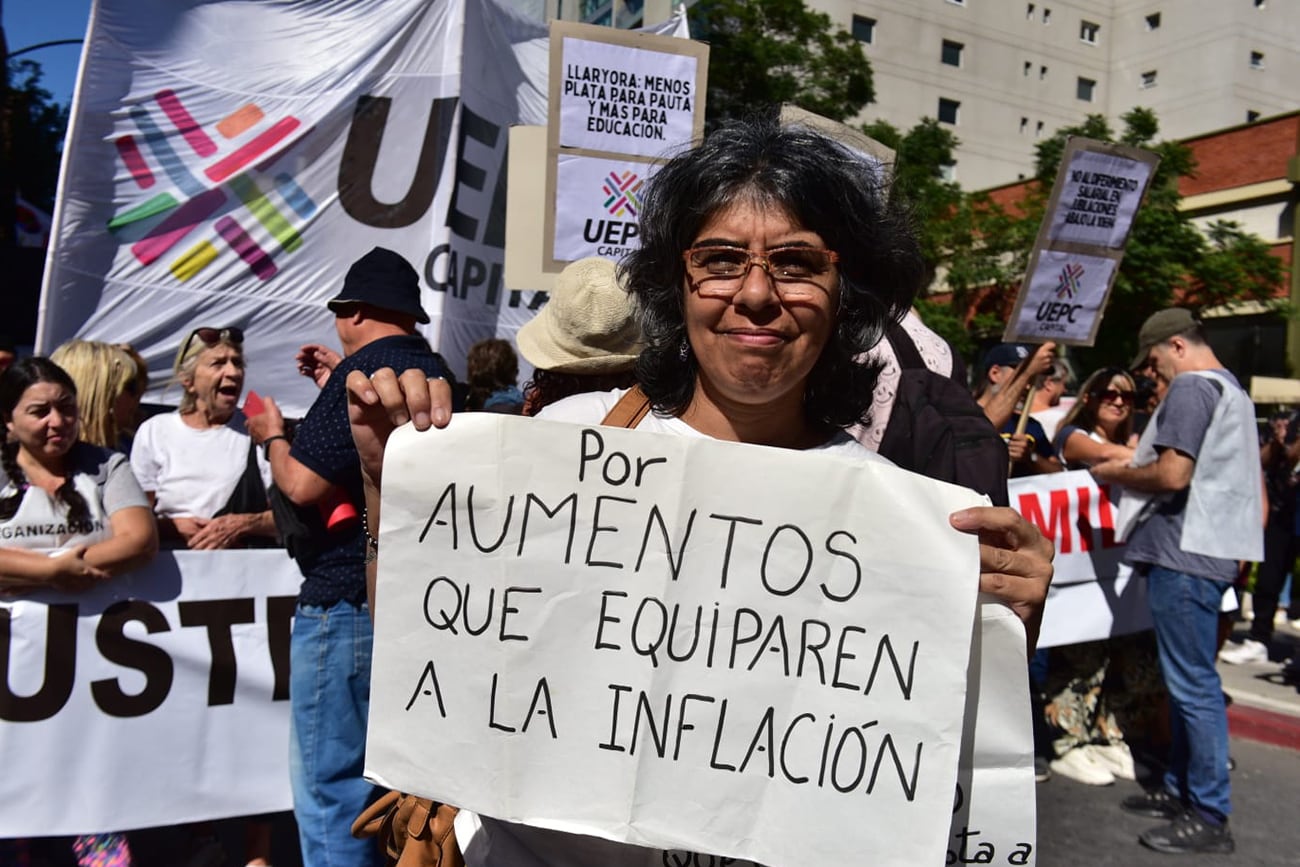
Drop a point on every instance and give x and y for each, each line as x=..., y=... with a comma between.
x=211, y=337
x=719, y=272
x=1111, y=395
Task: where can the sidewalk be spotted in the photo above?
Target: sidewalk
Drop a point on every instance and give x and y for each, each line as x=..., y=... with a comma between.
x=1265, y=708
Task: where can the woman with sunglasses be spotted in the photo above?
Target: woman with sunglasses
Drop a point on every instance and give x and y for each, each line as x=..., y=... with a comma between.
x=205, y=480
x=771, y=257
x=1097, y=428
x=72, y=515
x=1100, y=693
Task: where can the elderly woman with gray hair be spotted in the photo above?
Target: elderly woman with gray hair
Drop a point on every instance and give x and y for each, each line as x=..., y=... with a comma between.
x=206, y=482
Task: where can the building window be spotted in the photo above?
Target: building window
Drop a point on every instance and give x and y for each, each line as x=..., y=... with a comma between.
x=957, y=2
x=1042, y=72
x=1252, y=116
x=1029, y=11
x=951, y=53
x=948, y=172
x=1149, y=79
x=1259, y=4
x=1024, y=125
x=1047, y=15
x=1256, y=60
x=864, y=29
x=1085, y=88
x=1038, y=130
x=1088, y=32
x=1153, y=21
x=1029, y=67
x=948, y=109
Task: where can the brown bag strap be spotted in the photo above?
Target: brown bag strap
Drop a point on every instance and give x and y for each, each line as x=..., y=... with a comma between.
x=630, y=409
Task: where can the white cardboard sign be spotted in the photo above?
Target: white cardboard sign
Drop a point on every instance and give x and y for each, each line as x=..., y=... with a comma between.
x=620, y=634
x=598, y=206
x=1080, y=243
x=1064, y=296
x=620, y=99
x=1099, y=194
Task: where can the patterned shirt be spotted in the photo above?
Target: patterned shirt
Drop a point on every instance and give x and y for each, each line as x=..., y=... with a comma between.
x=323, y=444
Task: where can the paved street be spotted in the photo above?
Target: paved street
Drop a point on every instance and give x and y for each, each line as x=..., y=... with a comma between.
x=1082, y=826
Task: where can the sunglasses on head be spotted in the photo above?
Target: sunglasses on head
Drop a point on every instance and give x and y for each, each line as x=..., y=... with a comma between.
x=1112, y=394
x=210, y=337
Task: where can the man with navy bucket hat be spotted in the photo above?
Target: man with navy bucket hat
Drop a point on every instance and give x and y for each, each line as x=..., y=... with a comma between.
x=376, y=313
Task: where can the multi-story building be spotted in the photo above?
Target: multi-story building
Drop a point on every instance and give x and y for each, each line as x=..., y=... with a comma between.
x=1006, y=73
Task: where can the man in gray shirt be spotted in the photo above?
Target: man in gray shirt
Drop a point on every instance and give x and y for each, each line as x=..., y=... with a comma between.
x=1196, y=475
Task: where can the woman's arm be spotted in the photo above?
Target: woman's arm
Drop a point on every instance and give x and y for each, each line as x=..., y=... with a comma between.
x=1079, y=448
x=134, y=541
x=30, y=570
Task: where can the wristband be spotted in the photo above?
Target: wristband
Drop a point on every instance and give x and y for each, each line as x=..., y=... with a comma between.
x=266, y=444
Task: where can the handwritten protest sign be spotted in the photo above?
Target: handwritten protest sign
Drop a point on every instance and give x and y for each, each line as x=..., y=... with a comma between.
x=1080, y=243
x=672, y=641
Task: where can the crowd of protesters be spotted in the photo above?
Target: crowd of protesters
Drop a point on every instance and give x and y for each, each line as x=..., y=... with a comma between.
x=769, y=303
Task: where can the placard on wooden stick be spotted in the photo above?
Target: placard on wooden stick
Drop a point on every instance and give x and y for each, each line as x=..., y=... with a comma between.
x=1080, y=243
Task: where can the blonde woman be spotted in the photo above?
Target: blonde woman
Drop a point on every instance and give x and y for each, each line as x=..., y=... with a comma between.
x=108, y=390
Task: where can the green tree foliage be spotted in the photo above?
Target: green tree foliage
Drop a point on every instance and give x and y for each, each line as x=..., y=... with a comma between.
x=1167, y=261
x=36, y=127
x=768, y=52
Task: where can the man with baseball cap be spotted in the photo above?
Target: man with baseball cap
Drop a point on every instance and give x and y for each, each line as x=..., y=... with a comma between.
x=375, y=312
x=1191, y=508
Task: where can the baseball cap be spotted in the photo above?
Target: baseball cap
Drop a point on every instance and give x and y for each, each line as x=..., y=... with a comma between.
x=1006, y=355
x=1158, y=328
x=382, y=279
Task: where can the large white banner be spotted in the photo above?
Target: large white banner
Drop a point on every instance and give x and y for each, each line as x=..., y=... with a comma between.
x=1094, y=594
x=158, y=698
x=576, y=625
x=226, y=162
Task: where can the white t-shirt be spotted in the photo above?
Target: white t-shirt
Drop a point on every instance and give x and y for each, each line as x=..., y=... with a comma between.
x=192, y=472
x=488, y=842
x=104, y=480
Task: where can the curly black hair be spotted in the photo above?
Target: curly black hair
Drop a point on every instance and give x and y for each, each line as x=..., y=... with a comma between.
x=820, y=185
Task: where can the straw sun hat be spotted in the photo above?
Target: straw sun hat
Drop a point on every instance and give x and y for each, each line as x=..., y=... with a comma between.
x=587, y=326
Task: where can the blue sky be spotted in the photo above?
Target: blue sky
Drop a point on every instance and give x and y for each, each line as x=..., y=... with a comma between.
x=28, y=22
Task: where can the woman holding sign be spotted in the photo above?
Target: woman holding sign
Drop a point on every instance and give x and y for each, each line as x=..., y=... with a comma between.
x=770, y=258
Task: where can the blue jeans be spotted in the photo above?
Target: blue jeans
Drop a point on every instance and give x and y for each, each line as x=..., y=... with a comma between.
x=1185, y=611
x=329, y=697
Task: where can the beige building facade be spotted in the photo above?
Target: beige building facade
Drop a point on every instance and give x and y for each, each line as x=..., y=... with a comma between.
x=1006, y=73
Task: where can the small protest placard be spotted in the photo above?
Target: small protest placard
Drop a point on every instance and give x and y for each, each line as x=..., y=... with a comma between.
x=672, y=641
x=1080, y=243
x=620, y=102
x=622, y=99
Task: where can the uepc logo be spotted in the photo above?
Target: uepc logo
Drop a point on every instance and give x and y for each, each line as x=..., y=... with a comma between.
x=226, y=154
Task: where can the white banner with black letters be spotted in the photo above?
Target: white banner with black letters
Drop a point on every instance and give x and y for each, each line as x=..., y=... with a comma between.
x=158, y=698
